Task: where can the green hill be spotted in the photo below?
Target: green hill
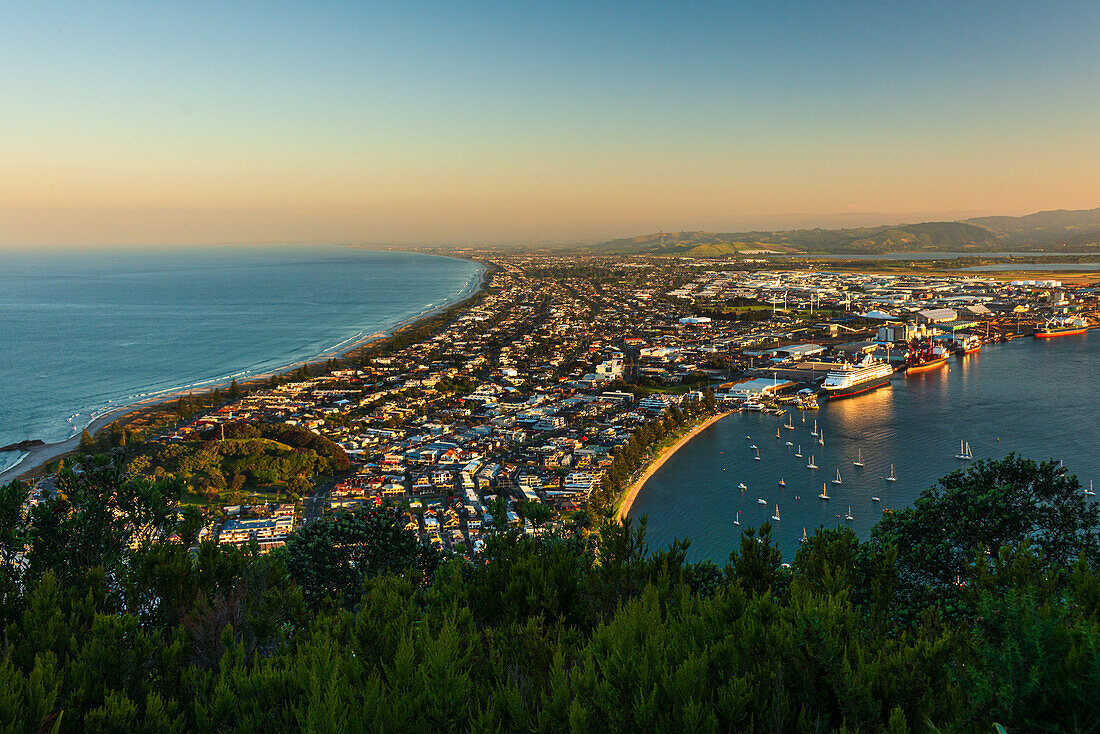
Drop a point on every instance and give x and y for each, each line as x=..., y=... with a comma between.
x=1052, y=229
x=1062, y=226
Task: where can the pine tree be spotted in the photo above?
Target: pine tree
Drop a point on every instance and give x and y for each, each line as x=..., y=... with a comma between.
x=234, y=389
x=117, y=437
x=87, y=443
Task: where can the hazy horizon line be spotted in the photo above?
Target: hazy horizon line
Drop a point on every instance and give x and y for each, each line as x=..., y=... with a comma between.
x=747, y=223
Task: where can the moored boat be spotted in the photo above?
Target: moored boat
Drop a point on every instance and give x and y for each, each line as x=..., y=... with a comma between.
x=1056, y=326
x=852, y=379
x=926, y=357
x=967, y=344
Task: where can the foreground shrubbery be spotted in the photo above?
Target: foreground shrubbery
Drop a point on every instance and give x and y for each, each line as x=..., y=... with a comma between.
x=946, y=621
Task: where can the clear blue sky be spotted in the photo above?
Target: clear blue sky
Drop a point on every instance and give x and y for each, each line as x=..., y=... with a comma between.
x=415, y=122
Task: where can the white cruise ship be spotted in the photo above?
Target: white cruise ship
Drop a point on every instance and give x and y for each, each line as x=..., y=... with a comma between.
x=853, y=379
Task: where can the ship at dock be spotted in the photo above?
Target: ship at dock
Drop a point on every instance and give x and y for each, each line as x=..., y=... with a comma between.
x=924, y=357
x=967, y=344
x=1061, y=327
x=852, y=379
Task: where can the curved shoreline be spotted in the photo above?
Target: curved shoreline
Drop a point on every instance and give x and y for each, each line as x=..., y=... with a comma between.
x=632, y=491
x=38, y=456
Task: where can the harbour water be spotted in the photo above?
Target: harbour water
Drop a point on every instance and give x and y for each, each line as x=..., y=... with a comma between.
x=1031, y=266
x=921, y=255
x=84, y=332
x=1029, y=396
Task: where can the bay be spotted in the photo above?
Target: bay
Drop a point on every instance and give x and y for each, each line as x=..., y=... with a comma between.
x=1031, y=266
x=84, y=332
x=1029, y=396
x=921, y=255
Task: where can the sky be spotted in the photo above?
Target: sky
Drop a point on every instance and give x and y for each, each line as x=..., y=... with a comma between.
x=411, y=122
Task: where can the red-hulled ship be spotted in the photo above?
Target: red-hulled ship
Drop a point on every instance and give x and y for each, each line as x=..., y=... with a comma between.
x=968, y=344
x=1061, y=327
x=924, y=357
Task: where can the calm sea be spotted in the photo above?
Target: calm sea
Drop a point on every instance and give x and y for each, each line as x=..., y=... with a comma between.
x=1031, y=396
x=83, y=332
x=1032, y=266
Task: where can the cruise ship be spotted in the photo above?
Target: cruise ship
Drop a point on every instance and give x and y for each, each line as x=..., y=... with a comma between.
x=853, y=379
x=1061, y=327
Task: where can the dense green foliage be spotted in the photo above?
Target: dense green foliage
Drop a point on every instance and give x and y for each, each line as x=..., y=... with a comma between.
x=109, y=625
x=250, y=456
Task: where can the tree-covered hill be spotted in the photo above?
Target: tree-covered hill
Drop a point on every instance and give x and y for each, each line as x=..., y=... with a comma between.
x=1051, y=227
x=979, y=605
x=983, y=234
x=277, y=459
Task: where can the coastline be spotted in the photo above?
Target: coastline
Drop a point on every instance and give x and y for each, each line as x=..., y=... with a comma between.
x=37, y=457
x=634, y=489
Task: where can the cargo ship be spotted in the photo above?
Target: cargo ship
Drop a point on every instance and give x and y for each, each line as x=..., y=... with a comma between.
x=968, y=344
x=852, y=379
x=1061, y=327
x=926, y=357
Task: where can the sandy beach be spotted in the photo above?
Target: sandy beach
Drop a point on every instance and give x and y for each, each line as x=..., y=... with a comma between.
x=39, y=456
x=632, y=491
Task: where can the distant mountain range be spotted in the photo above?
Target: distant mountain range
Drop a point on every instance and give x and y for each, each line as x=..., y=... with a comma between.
x=1078, y=229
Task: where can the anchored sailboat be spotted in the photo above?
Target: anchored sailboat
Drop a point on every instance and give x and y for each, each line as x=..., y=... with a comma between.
x=859, y=458
x=824, y=493
x=811, y=465
x=776, y=515
x=849, y=515
x=891, y=478
x=799, y=452
x=737, y=520
x=837, y=480
x=964, y=451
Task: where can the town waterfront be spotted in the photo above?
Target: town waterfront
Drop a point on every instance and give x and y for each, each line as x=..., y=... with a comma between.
x=84, y=332
x=1029, y=396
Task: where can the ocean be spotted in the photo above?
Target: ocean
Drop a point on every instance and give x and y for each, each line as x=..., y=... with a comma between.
x=1029, y=396
x=84, y=332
